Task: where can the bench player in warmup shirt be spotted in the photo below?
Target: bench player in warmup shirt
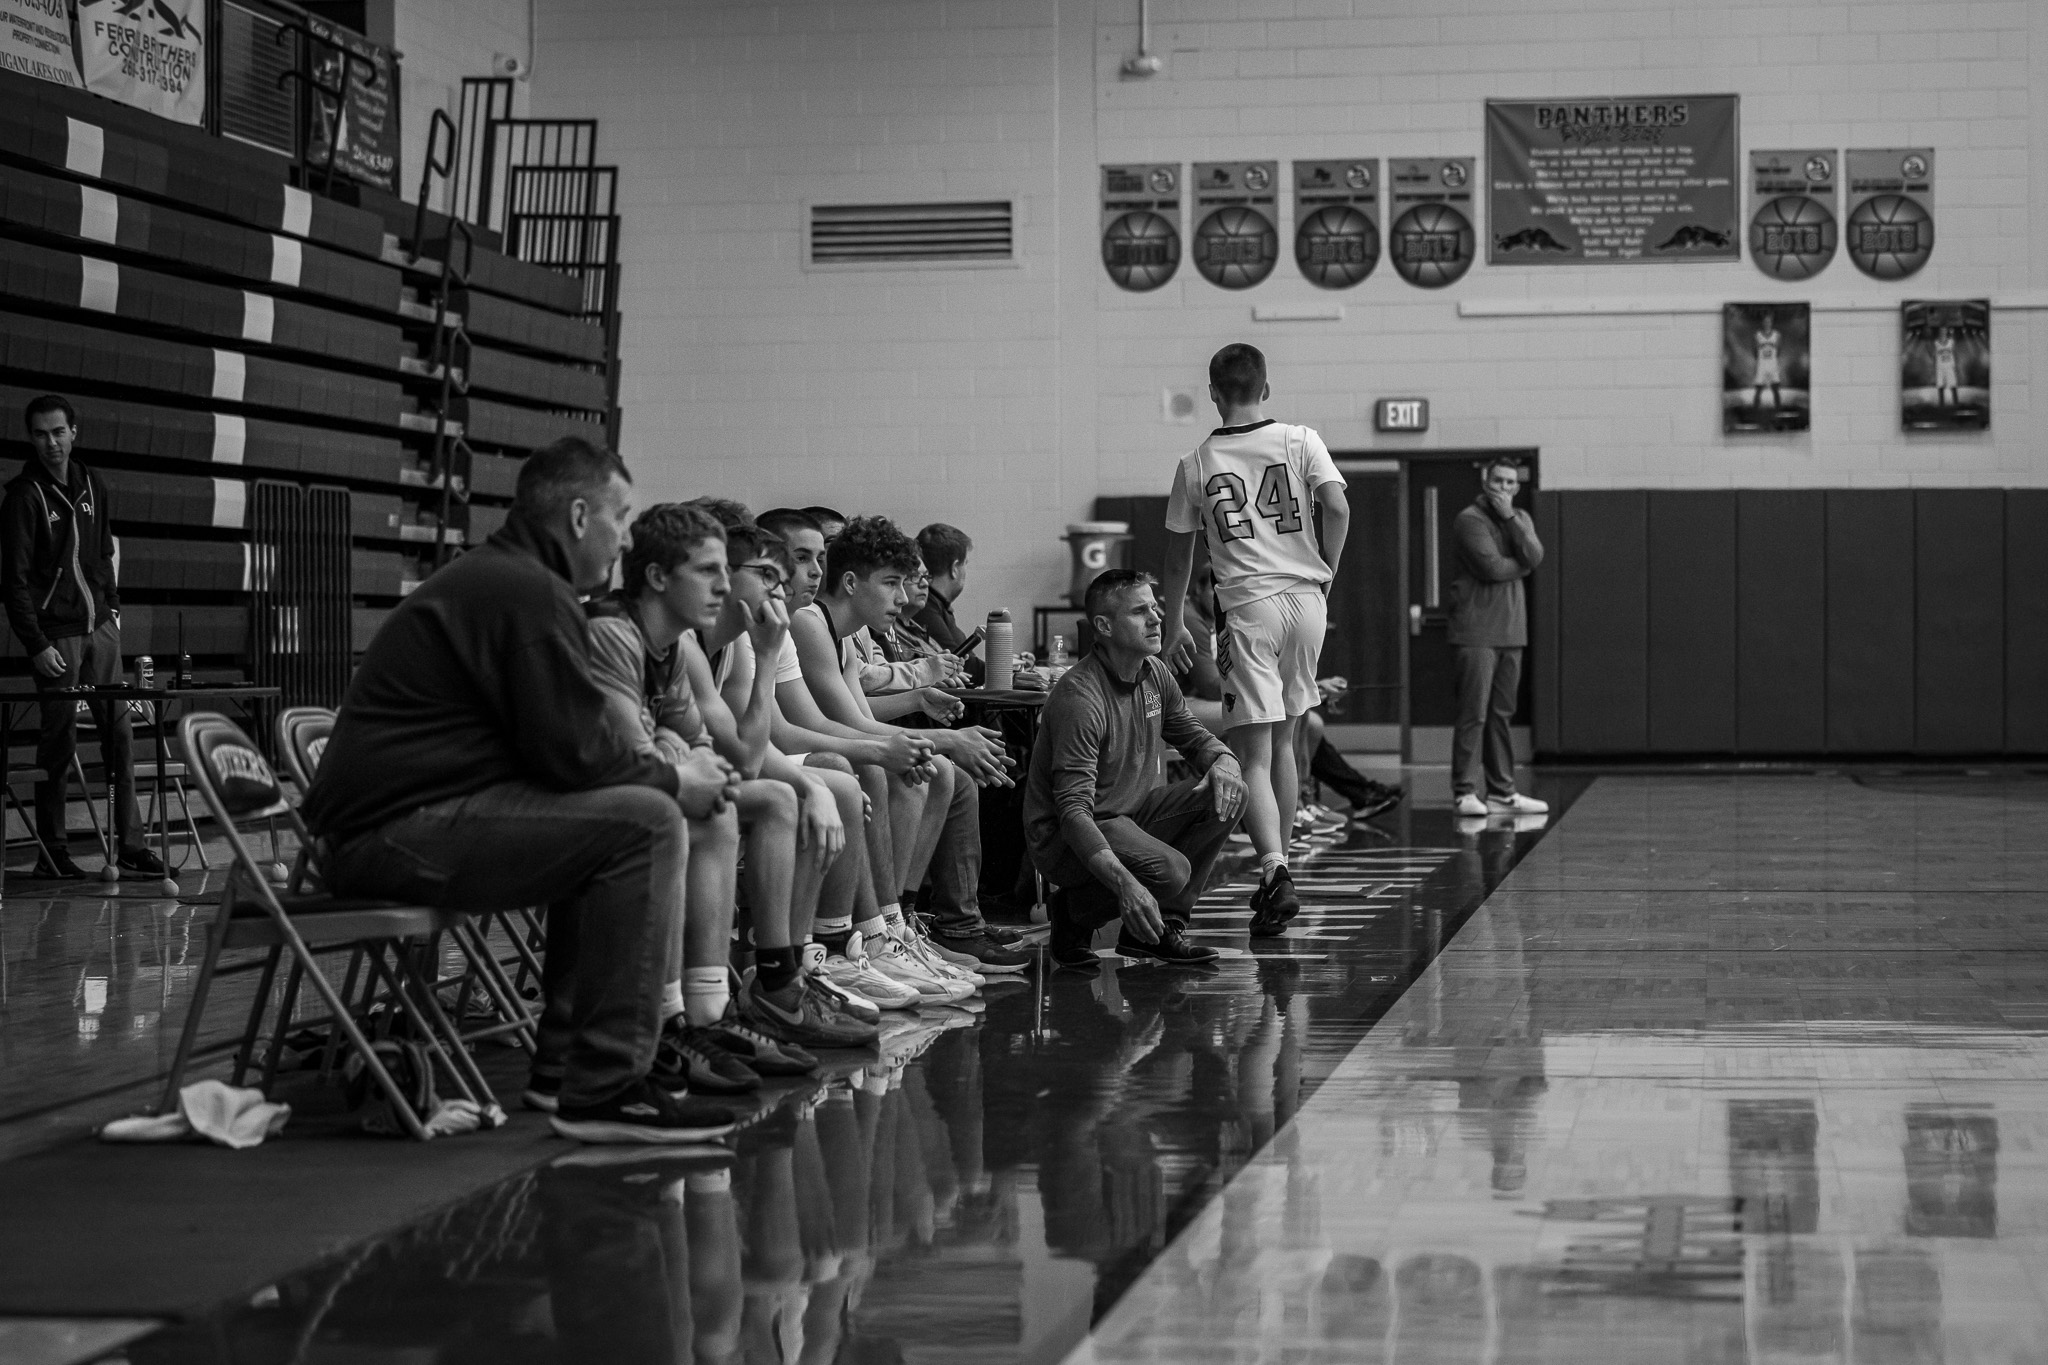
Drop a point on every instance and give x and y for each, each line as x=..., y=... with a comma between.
x=1250, y=490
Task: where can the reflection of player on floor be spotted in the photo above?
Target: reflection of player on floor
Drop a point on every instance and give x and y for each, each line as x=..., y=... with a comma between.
x=1947, y=393
x=1246, y=489
x=1769, y=370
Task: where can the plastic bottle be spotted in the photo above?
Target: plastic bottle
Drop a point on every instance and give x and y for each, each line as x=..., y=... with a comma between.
x=1001, y=651
x=1056, y=657
x=145, y=671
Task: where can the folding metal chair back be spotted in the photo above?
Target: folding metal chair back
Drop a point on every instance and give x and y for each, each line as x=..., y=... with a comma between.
x=238, y=785
x=302, y=733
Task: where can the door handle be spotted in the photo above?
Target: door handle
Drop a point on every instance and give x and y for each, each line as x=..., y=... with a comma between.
x=1414, y=620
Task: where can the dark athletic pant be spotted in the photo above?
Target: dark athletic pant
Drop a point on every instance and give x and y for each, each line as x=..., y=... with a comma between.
x=94, y=658
x=1488, y=680
x=1169, y=843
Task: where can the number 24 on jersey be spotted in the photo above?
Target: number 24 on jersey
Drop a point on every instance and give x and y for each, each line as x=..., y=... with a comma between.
x=1276, y=503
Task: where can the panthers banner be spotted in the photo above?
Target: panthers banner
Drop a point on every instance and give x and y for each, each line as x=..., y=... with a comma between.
x=1612, y=181
x=148, y=53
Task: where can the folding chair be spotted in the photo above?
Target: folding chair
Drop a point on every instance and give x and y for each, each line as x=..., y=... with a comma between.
x=302, y=734
x=237, y=785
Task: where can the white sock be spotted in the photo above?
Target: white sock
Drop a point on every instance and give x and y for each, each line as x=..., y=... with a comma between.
x=671, y=1000
x=708, y=1182
x=892, y=915
x=706, y=991
x=879, y=924
x=1268, y=862
x=828, y=926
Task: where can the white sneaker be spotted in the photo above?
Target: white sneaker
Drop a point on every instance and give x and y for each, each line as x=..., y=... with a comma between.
x=892, y=958
x=921, y=947
x=852, y=974
x=1468, y=804
x=1518, y=804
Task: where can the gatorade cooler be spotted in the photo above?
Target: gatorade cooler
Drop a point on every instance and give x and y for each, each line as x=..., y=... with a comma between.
x=1097, y=545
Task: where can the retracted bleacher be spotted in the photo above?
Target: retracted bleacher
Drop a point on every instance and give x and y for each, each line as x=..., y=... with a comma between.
x=255, y=364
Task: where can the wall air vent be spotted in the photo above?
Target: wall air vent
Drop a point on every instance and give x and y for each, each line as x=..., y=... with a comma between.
x=962, y=234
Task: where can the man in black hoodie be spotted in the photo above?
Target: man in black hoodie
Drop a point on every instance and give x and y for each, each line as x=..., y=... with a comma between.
x=57, y=573
x=475, y=766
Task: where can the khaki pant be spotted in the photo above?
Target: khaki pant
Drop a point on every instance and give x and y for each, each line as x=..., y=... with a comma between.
x=94, y=658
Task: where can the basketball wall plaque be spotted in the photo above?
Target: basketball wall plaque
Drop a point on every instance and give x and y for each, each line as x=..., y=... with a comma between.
x=1792, y=232
x=1235, y=241
x=1337, y=220
x=1141, y=224
x=1890, y=228
x=1431, y=242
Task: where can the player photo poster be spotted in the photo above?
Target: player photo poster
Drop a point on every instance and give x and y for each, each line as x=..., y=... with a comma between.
x=1337, y=220
x=1236, y=242
x=1766, y=366
x=1945, y=365
x=1432, y=241
x=1792, y=232
x=153, y=57
x=1890, y=229
x=1141, y=224
x=1612, y=181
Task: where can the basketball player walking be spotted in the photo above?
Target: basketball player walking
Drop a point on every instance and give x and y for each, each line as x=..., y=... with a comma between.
x=1247, y=489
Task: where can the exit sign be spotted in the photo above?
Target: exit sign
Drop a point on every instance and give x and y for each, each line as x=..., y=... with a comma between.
x=1401, y=414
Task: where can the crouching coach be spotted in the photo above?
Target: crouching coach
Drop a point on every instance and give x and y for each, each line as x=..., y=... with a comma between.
x=1102, y=823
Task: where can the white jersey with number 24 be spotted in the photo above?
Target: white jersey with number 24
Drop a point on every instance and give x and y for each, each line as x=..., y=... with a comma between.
x=1251, y=491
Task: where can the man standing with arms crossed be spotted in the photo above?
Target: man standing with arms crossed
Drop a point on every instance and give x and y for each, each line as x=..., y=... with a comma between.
x=1251, y=489
x=57, y=555
x=1496, y=548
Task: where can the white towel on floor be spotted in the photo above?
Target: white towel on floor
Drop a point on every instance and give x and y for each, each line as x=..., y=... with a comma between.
x=211, y=1110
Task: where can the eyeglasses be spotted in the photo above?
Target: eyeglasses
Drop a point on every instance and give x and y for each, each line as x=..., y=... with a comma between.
x=769, y=574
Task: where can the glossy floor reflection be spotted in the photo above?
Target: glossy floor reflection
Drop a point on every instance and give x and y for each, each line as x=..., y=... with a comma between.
x=1728, y=1069
x=983, y=1193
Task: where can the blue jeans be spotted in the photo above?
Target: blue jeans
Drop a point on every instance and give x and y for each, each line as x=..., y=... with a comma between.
x=956, y=864
x=609, y=865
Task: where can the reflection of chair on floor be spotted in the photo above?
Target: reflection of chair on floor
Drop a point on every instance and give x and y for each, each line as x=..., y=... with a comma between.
x=237, y=785
x=302, y=734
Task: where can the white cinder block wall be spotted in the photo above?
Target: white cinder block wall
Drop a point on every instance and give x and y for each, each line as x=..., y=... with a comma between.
x=1006, y=400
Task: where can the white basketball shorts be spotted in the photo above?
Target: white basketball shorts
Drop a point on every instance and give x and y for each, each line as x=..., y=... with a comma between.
x=1267, y=652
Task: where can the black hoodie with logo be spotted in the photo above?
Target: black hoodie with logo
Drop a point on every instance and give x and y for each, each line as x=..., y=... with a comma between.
x=56, y=555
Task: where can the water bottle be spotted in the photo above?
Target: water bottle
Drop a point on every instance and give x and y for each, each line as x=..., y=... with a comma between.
x=1001, y=651
x=1056, y=658
x=145, y=672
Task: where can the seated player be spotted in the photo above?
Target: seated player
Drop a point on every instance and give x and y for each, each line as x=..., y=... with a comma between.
x=474, y=767
x=736, y=695
x=889, y=768
x=944, y=550
x=1099, y=822
x=864, y=588
x=676, y=580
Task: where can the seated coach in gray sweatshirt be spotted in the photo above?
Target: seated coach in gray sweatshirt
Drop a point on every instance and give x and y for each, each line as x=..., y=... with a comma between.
x=1102, y=823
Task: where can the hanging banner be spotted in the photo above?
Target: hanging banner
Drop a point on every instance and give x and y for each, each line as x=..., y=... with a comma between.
x=1890, y=230
x=1236, y=243
x=1614, y=181
x=1337, y=220
x=1765, y=367
x=364, y=121
x=1945, y=365
x=35, y=40
x=1141, y=225
x=1792, y=212
x=151, y=56
x=1429, y=198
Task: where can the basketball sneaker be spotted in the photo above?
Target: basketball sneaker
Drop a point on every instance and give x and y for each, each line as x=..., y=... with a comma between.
x=1468, y=804
x=1274, y=903
x=687, y=1061
x=852, y=973
x=894, y=959
x=1517, y=804
x=802, y=1013
x=920, y=944
x=980, y=952
x=643, y=1112
x=767, y=1056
